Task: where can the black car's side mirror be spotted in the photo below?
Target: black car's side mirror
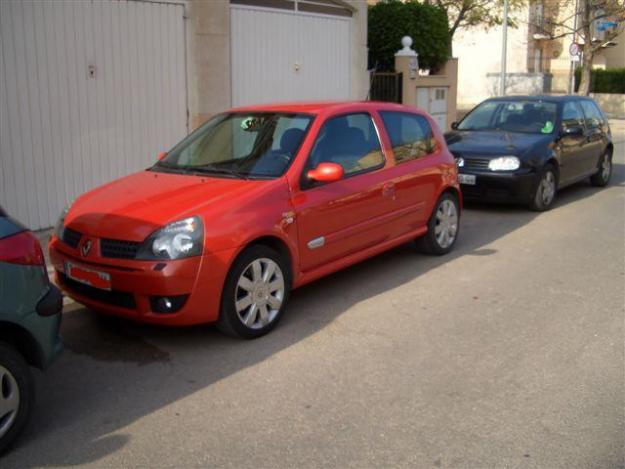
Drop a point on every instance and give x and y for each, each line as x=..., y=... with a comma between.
x=454, y=125
x=573, y=130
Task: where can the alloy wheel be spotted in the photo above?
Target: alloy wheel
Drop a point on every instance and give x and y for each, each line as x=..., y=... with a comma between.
x=548, y=188
x=9, y=400
x=446, y=223
x=606, y=167
x=259, y=293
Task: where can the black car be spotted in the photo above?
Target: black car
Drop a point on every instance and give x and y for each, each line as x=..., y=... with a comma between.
x=523, y=149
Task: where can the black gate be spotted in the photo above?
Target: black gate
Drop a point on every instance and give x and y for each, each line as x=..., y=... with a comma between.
x=386, y=86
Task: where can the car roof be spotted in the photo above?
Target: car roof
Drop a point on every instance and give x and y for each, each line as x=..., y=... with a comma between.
x=317, y=107
x=557, y=98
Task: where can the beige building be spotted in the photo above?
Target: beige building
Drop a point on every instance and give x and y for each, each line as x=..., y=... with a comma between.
x=535, y=63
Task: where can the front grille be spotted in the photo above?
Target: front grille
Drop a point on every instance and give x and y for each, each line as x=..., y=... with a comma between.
x=71, y=237
x=119, y=249
x=479, y=164
x=113, y=297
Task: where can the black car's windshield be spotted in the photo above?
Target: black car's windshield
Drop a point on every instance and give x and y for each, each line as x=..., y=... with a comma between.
x=240, y=145
x=533, y=117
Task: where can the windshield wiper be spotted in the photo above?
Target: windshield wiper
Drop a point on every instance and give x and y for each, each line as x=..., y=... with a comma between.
x=218, y=170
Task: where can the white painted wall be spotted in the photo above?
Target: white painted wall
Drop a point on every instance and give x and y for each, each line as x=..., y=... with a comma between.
x=479, y=53
x=266, y=46
x=62, y=132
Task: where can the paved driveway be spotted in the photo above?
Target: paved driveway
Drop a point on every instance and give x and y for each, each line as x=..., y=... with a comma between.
x=509, y=352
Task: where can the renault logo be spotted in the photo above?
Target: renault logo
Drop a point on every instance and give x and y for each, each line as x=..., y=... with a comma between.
x=85, y=248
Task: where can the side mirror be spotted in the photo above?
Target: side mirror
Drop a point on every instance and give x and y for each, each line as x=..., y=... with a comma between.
x=574, y=130
x=161, y=155
x=326, y=172
x=454, y=125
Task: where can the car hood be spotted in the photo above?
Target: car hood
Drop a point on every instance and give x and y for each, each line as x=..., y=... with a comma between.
x=493, y=143
x=133, y=207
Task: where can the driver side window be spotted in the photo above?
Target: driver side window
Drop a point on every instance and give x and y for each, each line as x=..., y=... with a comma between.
x=572, y=115
x=351, y=141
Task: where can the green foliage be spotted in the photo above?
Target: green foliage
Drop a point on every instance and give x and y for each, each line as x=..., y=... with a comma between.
x=611, y=80
x=426, y=24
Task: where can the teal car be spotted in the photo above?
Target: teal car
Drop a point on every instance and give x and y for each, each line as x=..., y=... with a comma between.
x=30, y=318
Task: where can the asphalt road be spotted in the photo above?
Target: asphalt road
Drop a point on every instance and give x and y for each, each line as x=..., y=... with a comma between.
x=507, y=353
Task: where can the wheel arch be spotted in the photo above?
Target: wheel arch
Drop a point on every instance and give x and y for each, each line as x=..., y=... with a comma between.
x=277, y=244
x=23, y=341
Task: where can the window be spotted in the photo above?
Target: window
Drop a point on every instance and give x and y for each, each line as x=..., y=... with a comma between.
x=350, y=141
x=572, y=115
x=254, y=145
x=594, y=118
x=410, y=134
x=514, y=115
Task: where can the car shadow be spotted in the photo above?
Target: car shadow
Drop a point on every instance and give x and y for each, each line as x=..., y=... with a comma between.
x=115, y=372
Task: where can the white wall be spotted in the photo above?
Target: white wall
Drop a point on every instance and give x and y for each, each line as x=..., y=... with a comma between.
x=63, y=132
x=479, y=53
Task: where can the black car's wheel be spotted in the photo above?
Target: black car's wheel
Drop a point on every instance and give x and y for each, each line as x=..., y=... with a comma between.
x=604, y=172
x=255, y=294
x=443, y=227
x=16, y=395
x=545, y=189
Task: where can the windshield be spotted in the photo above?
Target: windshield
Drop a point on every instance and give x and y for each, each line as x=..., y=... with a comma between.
x=532, y=117
x=240, y=145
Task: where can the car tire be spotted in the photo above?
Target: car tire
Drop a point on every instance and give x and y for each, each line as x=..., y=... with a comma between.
x=443, y=227
x=16, y=384
x=604, y=172
x=255, y=294
x=546, y=189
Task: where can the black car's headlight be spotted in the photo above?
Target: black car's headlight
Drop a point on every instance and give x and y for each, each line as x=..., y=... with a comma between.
x=179, y=239
x=59, y=228
x=504, y=163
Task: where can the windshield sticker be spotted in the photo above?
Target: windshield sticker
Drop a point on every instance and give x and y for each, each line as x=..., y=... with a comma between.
x=548, y=128
x=251, y=123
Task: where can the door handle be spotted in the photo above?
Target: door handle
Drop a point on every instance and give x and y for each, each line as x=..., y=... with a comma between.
x=388, y=190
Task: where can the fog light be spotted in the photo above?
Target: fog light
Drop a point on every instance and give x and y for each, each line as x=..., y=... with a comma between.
x=167, y=304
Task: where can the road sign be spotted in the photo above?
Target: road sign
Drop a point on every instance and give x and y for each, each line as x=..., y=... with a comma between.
x=574, y=49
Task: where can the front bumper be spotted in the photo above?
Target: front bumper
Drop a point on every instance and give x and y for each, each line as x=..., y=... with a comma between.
x=509, y=187
x=134, y=282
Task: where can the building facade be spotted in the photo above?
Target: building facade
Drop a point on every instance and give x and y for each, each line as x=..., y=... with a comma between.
x=91, y=91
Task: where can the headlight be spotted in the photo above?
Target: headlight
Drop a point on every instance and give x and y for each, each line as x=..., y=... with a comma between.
x=504, y=163
x=59, y=228
x=182, y=238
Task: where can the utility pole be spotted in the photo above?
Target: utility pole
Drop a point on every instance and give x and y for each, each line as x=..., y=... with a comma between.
x=504, y=47
x=573, y=63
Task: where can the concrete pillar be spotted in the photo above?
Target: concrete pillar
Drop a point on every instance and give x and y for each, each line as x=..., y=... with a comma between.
x=208, y=56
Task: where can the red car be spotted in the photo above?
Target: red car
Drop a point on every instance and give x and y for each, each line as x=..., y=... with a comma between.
x=254, y=203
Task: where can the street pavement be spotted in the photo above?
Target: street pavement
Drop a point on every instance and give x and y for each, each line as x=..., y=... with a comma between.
x=509, y=352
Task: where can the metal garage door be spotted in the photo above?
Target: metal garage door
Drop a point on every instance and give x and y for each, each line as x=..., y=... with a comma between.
x=89, y=91
x=282, y=56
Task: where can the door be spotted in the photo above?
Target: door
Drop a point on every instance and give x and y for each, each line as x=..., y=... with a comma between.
x=413, y=149
x=573, y=148
x=343, y=217
x=595, y=136
x=280, y=56
x=434, y=102
x=89, y=91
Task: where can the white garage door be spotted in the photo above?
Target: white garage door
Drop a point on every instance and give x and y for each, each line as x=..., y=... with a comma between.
x=280, y=56
x=89, y=91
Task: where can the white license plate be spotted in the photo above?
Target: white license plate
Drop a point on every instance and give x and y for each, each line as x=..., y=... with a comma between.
x=91, y=277
x=468, y=179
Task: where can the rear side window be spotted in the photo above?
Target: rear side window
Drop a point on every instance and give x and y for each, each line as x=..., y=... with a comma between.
x=593, y=115
x=411, y=135
x=572, y=115
x=351, y=141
